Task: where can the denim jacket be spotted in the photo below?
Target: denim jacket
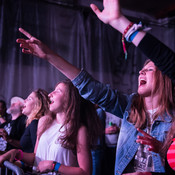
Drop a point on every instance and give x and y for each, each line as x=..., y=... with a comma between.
x=119, y=104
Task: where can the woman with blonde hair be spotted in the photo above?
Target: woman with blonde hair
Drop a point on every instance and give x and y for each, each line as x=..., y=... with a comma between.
x=35, y=106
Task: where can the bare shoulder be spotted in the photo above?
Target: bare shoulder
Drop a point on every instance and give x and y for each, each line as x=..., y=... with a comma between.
x=43, y=119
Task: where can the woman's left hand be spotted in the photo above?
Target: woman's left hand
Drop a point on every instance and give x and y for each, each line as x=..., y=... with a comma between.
x=146, y=139
x=45, y=166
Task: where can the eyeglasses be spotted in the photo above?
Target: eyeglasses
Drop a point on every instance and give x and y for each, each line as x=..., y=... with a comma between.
x=147, y=70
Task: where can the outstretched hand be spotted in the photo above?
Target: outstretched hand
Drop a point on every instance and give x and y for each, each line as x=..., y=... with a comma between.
x=32, y=45
x=146, y=139
x=110, y=12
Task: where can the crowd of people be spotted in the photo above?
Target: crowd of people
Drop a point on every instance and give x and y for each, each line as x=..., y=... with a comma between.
x=67, y=129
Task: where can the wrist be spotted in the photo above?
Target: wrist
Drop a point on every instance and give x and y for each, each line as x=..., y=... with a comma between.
x=19, y=155
x=55, y=166
x=120, y=23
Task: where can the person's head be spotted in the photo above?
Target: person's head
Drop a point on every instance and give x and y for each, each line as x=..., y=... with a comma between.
x=152, y=83
x=146, y=79
x=36, y=105
x=16, y=105
x=3, y=107
x=65, y=99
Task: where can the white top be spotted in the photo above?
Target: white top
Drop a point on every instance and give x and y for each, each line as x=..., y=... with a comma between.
x=49, y=148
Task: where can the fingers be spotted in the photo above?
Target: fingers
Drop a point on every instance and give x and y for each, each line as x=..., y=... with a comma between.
x=27, y=51
x=21, y=40
x=28, y=35
x=144, y=133
x=95, y=9
x=25, y=45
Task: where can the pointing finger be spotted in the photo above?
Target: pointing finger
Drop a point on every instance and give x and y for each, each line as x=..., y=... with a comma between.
x=28, y=35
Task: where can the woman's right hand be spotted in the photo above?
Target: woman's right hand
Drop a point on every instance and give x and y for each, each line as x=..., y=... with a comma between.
x=33, y=46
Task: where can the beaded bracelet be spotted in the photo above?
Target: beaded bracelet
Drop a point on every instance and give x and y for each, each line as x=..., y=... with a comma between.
x=21, y=155
x=123, y=38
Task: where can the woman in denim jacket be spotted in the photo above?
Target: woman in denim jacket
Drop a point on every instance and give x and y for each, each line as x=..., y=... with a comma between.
x=147, y=114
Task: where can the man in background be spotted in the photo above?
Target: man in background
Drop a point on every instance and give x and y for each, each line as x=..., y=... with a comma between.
x=11, y=132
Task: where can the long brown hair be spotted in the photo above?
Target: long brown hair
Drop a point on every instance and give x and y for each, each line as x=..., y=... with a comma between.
x=42, y=106
x=78, y=112
x=163, y=86
x=92, y=121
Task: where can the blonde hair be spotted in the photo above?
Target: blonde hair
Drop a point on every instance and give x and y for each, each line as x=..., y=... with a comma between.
x=41, y=106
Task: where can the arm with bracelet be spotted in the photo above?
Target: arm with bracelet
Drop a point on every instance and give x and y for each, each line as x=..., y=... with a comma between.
x=17, y=155
x=160, y=54
x=83, y=156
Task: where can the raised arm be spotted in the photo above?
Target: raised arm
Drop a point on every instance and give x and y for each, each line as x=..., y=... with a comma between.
x=34, y=46
x=111, y=14
x=160, y=54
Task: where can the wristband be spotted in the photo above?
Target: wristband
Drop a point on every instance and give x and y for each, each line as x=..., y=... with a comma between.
x=55, y=166
x=123, y=39
x=21, y=155
x=22, y=164
x=133, y=36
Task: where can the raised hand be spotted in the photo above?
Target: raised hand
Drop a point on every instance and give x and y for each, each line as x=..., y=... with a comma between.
x=146, y=139
x=110, y=12
x=32, y=45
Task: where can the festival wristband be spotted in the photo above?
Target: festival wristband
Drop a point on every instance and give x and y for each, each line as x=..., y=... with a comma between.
x=55, y=166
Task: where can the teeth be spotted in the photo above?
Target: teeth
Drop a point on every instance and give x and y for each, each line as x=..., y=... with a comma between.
x=142, y=82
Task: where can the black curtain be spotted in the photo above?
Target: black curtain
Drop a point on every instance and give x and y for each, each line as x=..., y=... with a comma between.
x=77, y=35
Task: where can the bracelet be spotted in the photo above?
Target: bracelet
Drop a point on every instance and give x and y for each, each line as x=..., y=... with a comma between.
x=21, y=155
x=56, y=166
x=22, y=164
x=132, y=30
x=133, y=36
x=123, y=38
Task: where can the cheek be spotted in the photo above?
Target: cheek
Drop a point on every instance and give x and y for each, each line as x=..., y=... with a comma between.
x=30, y=106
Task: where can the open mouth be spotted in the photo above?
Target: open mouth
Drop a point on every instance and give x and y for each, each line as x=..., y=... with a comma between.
x=142, y=82
x=23, y=107
x=51, y=101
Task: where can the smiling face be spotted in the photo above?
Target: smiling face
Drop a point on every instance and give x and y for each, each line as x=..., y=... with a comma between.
x=146, y=80
x=30, y=104
x=58, y=98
